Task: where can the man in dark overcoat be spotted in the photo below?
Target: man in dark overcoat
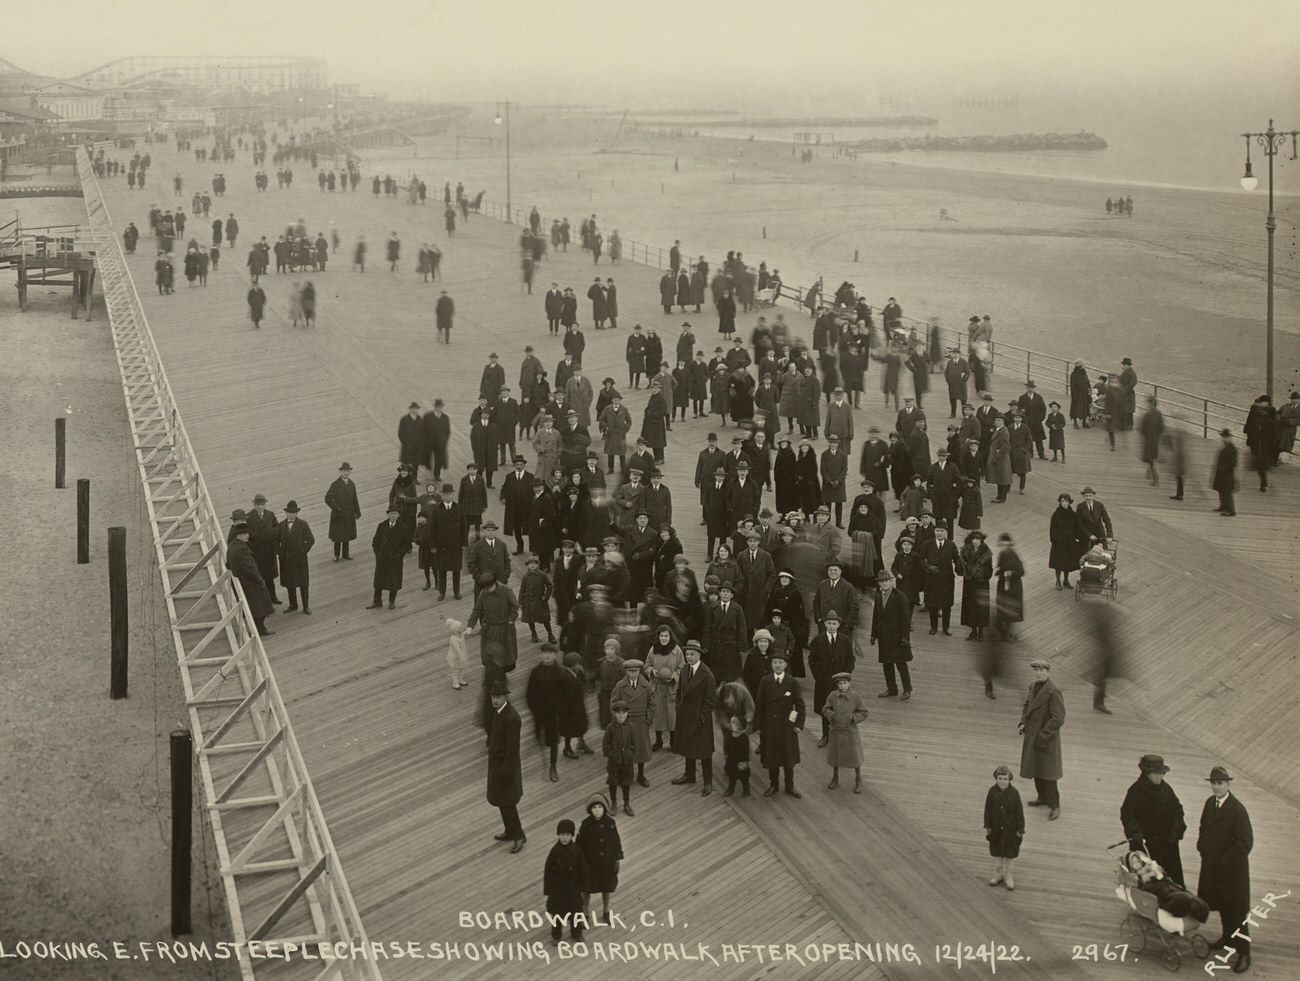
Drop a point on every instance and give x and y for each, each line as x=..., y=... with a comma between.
x=243, y=566
x=543, y=525
x=483, y=439
x=956, y=373
x=945, y=495
x=263, y=530
x=830, y=653
x=496, y=609
x=940, y=562
x=640, y=543
x=696, y=697
x=836, y=593
x=891, y=630
x=505, y=783
x=390, y=544
x=294, y=542
x=1080, y=395
x=758, y=574
x=1041, y=719
x=1034, y=411
x=726, y=635
x=517, y=496
x=1152, y=816
x=410, y=434
x=494, y=377
x=444, y=311
x=488, y=554
x=345, y=509
x=779, y=714
x=1225, y=475
x=437, y=431
x=744, y=493
x=448, y=535
x=1094, y=521
x=1225, y=841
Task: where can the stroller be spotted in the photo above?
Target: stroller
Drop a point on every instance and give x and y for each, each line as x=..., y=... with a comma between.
x=1097, y=575
x=1147, y=922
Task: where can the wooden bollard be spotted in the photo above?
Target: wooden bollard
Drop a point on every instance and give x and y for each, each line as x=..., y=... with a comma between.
x=83, y=521
x=182, y=748
x=60, y=452
x=117, y=611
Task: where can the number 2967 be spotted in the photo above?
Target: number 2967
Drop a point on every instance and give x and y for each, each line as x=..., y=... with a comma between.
x=1099, y=952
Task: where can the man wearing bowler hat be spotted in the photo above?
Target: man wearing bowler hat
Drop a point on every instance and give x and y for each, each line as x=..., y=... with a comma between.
x=345, y=509
x=1041, y=719
x=1225, y=841
x=294, y=542
x=505, y=783
x=517, y=496
x=1152, y=816
x=263, y=530
x=410, y=434
x=390, y=545
x=448, y=540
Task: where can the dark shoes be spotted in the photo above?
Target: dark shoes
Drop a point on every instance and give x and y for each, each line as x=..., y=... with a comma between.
x=1034, y=803
x=770, y=791
x=375, y=606
x=888, y=694
x=905, y=696
x=1101, y=707
x=682, y=780
x=821, y=743
x=1243, y=963
x=1054, y=814
x=708, y=789
x=791, y=792
x=570, y=754
x=627, y=809
x=641, y=779
x=835, y=781
x=518, y=846
x=503, y=836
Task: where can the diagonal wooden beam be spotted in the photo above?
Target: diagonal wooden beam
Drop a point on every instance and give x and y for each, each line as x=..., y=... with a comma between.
x=285, y=904
x=249, y=850
x=233, y=717
x=251, y=765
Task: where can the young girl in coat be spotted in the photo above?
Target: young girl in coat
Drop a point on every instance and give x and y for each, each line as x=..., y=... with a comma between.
x=456, y=653
x=844, y=710
x=906, y=568
x=601, y=847
x=564, y=881
x=735, y=752
x=1055, y=424
x=913, y=499
x=1004, y=825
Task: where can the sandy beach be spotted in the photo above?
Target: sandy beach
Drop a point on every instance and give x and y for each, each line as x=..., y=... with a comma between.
x=1180, y=287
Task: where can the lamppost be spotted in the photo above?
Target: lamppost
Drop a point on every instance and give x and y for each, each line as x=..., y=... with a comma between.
x=1272, y=141
x=509, y=213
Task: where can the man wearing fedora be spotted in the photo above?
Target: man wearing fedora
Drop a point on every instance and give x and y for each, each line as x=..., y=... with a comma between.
x=1041, y=719
x=390, y=546
x=295, y=541
x=505, y=783
x=345, y=509
x=1152, y=816
x=243, y=566
x=263, y=530
x=437, y=431
x=488, y=554
x=410, y=435
x=448, y=540
x=1225, y=841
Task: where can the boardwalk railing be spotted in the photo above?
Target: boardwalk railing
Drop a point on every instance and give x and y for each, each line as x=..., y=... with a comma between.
x=1194, y=412
x=282, y=877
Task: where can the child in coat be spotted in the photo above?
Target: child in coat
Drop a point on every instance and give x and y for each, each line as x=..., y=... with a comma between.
x=907, y=570
x=603, y=850
x=544, y=694
x=424, y=539
x=535, y=599
x=972, y=506
x=573, y=706
x=843, y=711
x=620, y=753
x=1004, y=825
x=456, y=653
x=783, y=640
x=564, y=882
x=610, y=672
x=735, y=751
x=912, y=499
x=1055, y=424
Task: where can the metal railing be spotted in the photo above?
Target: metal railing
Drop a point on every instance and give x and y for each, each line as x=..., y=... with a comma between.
x=1196, y=412
x=236, y=713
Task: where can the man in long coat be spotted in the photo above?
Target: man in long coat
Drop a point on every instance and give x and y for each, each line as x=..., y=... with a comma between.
x=410, y=434
x=998, y=468
x=553, y=303
x=956, y=373
x=543, y=525
x=578, y=395
x=295, y=541
x=496, y=609
x=638, y=692
x=448, y=535
x=243, y=566
x=1128, y=381
x=390, y=545
x=693, y=737
x=345, y=509
x=1225, y=842
x=444, y=311
x=758, y=573
x=437, y=431
x=945, y=493
x=836, y=593
x=263, y=530
x=779, y=714
x=1080, y=395
x=1041, y=719
x=1225, y=475
x=939, y=564
x=1034, y=411
x=505, y=783
x=891, y=630
x=517, y=496
x=488, y=554
x=1094, y=520
x=830, y=652
x=1152, y=816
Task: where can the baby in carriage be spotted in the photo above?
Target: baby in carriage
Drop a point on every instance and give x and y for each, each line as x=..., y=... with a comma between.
x=1097, y=564
x=1171, y=896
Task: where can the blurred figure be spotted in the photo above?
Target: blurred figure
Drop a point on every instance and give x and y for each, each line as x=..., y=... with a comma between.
x=1103, y=624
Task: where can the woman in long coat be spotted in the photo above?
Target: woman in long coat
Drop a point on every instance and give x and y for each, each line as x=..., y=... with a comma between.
x=810, y=398
x=740, y=395
x=791, y=387
x=726, y=314
x=807, y=479
x=405, y=496
x=1080, y=395
x=787, y=598
x=663, y=664
x=546, y=444
x=699, y=283
x=654, y=424
x=1153, y=817
x=654, y=353
x=785, y=477
x=1064, y=534
x=683, y=290
x=977, y=571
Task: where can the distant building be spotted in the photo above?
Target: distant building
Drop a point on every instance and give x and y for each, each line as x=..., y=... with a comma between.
x=71, y=102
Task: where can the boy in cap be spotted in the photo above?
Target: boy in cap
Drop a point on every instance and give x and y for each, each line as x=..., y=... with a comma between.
x=564, y=882
x=842, y=713
x=638, y=694
x=619, y=749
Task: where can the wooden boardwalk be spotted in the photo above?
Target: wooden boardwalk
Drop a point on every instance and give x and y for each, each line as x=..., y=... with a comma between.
x=399, y=767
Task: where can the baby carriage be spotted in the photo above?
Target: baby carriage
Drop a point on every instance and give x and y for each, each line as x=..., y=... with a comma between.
x=1097, y=575
x=1147, y=924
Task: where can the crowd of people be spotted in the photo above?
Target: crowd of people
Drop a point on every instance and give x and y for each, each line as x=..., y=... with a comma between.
x=677, y=656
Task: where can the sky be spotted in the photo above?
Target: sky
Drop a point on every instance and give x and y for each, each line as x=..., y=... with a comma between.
x=828, y=56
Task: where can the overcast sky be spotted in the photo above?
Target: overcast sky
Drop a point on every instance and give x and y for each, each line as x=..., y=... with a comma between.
x=815, y=54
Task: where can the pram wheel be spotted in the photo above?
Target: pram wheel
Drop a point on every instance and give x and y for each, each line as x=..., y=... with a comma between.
x=1200, y=946
x=1171, y=959
x=1134, y=930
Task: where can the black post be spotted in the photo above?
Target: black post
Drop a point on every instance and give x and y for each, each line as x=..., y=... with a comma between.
x=182, y=746
x=60, y=452
x=83, y=521
x=117, y=610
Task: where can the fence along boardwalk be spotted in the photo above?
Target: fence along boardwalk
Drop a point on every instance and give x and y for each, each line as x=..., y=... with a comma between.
x=399, y=767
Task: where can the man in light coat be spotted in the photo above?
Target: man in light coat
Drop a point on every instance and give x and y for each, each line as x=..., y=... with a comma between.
x=1041, y=719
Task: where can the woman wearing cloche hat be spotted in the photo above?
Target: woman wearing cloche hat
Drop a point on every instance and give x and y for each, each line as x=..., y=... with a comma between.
x=1152, y=816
